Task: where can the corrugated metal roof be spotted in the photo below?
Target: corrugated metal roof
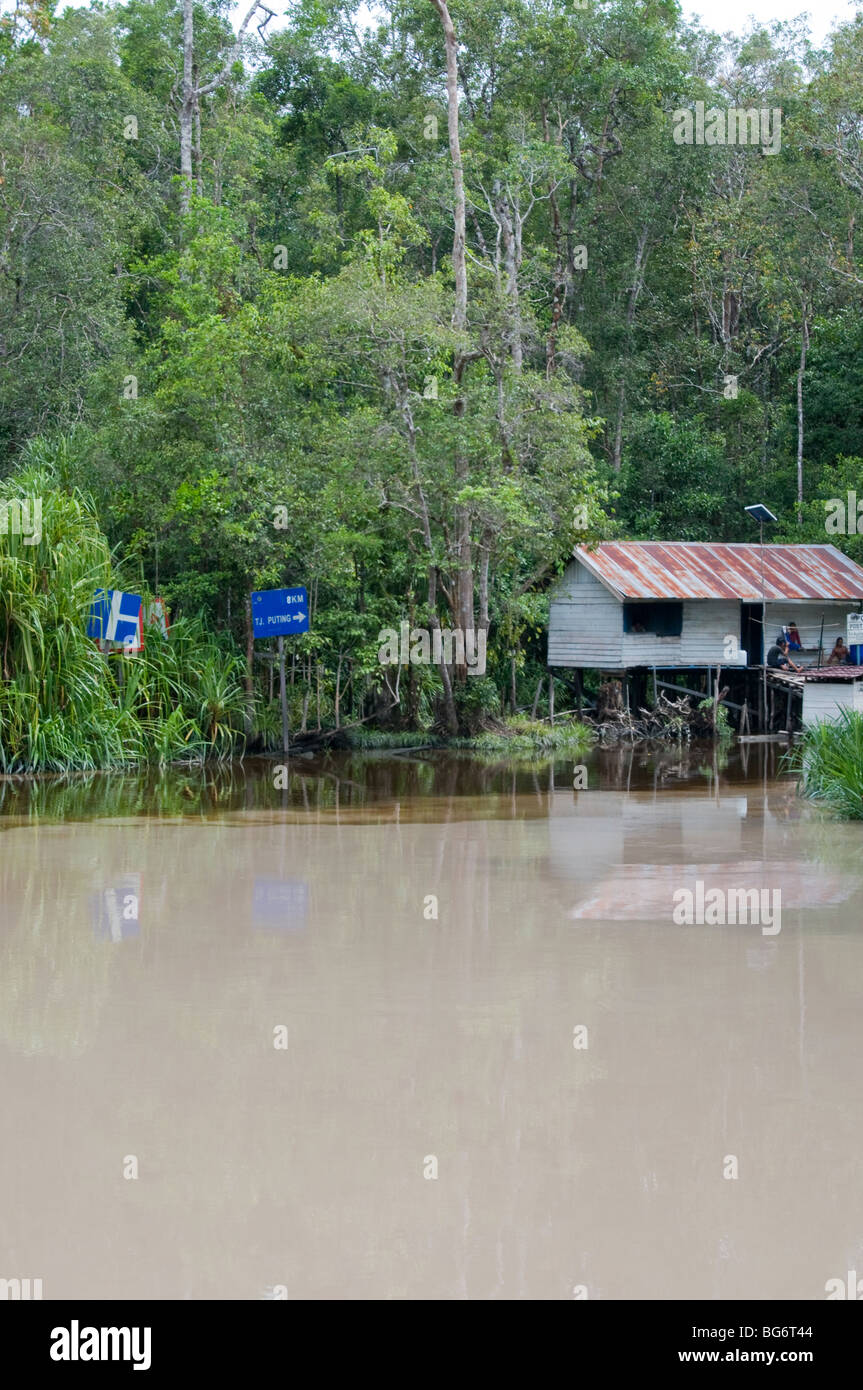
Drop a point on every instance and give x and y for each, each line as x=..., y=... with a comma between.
x=834, y=673
x=692, y=569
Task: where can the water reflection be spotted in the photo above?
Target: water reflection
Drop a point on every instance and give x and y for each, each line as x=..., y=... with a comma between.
x=426, y=785
x=411, y=1036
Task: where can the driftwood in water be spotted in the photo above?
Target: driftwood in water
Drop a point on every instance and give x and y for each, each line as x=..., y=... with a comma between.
x=678, y=720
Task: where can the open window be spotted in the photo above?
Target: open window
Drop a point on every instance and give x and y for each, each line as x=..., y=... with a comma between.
x=660, y=618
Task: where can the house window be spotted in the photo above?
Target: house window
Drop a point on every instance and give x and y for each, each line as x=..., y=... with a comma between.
x=660, y=619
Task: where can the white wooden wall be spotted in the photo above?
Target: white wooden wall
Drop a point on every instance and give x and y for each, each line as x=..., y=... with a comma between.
x=586, y=629
x=585, y=623
x=822, y=700
x=706, y=624
x=807, y=616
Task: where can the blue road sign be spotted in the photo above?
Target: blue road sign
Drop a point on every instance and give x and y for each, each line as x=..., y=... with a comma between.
x=280, y=612
x=114, y=616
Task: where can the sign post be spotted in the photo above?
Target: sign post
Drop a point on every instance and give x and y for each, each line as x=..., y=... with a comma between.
x=280, y=613
x=283, y=697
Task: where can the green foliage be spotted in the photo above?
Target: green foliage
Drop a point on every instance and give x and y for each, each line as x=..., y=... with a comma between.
x=519, y=735
x=636, y=323
x=829, y=761
x=63, y=704
x=676, y=482
x=724, y=730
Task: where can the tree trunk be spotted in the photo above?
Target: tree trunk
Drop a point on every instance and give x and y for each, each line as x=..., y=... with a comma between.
x=434, y=621
x=187, y=105
x=484, y=558
x=617, y=452
x=459, y=318
x=536, y=697
x=190, y=104
x=634, y=296
x=559, y=282
x=804, y=345
x=464, y=595
x=510, y=264
x=198, y=158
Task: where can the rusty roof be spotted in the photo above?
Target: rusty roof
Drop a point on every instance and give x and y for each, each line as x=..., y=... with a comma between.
x=833, y=673
x=693, y=569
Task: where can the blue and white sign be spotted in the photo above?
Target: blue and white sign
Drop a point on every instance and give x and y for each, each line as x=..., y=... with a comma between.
x=280, y=612
x=114, y=617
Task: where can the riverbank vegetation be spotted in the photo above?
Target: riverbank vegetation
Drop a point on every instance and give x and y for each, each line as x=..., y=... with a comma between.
x=829, y=762
x=66, y=705
x=355, y=309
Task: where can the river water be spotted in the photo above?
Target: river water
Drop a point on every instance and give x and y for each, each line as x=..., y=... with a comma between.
x=423, y=1026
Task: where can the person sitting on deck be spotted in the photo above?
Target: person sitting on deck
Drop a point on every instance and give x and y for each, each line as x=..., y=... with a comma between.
x=778, y=656
x=794, y=643
x=840, y=655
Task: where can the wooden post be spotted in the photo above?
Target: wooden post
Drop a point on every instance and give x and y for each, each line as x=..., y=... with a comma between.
x=249, y=674
x=716, y=698
x=551, y=699
x=283, y=696
x=536, y=698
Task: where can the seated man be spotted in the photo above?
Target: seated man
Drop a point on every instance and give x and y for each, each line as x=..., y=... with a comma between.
x=840, y=655
x=794, y=643
x=778, y=656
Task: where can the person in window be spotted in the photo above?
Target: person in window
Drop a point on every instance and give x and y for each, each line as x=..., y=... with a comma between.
x=794, y=643
x=840, y=655
x=778, y=657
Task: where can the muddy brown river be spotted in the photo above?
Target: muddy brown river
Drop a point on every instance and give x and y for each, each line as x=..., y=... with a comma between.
x=422, y=1026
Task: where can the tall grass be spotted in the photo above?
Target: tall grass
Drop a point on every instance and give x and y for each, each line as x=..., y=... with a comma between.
x=829, y=761
x=65, y=705
x=520, y=734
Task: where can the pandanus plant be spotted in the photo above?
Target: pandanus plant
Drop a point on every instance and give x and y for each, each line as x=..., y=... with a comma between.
x=63, y=703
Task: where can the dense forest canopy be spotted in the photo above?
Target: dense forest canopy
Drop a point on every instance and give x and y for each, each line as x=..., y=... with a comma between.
x=231, y=313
